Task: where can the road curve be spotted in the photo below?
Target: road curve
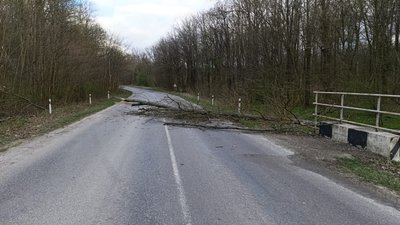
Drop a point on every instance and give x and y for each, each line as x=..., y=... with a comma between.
x=116, y=168
x=148, y=95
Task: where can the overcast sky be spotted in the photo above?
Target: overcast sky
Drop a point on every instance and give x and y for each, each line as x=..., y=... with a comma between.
x=141, y=23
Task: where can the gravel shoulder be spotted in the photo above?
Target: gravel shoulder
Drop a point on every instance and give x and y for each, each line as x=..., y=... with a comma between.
x=322, y=155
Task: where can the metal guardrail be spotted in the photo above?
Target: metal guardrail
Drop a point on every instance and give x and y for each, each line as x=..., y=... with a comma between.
x=342, y=107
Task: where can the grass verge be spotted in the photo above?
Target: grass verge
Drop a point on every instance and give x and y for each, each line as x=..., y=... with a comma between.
x=371, y=173
x=22, y=127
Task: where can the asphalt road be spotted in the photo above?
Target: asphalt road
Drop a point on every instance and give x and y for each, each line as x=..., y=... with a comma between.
x=116, y=168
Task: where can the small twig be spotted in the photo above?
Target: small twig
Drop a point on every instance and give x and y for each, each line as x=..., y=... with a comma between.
x=177, y=103
x=297, y=121
x=25, y=107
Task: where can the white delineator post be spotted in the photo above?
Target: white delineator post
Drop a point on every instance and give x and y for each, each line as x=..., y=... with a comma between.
x=239, y=105
x=90, y=99
x=50, y=109
x=212, y=99
x=198, y=98
x=108, y=95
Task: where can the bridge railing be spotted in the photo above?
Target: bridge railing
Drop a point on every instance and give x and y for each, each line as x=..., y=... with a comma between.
x=378, y=112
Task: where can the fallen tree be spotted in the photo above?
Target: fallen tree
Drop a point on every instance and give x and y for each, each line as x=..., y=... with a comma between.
x=193, y=110
x=191, y=115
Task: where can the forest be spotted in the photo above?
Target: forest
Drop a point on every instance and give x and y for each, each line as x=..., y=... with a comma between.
x=55, y=49
x=271, y=52
x=280, y=51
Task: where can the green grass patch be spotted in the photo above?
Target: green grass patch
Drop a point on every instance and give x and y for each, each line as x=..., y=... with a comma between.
x=305, y=113
x=250, y=123
x=76, y=115
x=387, y=121
x=371, y=174
x=206, y=103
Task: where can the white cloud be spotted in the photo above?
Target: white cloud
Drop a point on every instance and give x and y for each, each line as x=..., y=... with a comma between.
x=141, y=23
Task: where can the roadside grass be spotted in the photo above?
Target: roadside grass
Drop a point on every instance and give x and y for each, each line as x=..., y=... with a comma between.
x=252, y=123
x=387, y=121
x=371, y=173
x=219, y=105
x=22, y=127
x=205, y=103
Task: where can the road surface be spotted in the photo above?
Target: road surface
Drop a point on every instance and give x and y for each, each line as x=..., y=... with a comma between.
x=116, y=168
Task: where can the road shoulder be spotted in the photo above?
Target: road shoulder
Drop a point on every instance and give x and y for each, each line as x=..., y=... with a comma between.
x=323, y=156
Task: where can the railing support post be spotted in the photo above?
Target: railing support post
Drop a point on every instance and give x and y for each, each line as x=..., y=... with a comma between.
x=378, y=113
x=341, y=109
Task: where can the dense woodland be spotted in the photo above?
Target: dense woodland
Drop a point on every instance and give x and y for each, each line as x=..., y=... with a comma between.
x=281, y=50
x=265, y=51
x=54, y=49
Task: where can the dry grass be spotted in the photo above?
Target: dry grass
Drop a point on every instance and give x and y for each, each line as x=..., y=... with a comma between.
x=23, y=127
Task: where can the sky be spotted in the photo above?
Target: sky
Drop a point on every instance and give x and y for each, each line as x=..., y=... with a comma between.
x=141, y=23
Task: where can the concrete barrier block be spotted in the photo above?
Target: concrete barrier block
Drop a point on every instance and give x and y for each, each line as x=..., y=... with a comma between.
x=382, y=143
x=385, y=144
x=340, y=132
x=395, y=146
x=325, y=129
x=357, y=137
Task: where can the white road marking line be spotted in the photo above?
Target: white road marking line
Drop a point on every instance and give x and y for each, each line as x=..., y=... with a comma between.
x=182, y=199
